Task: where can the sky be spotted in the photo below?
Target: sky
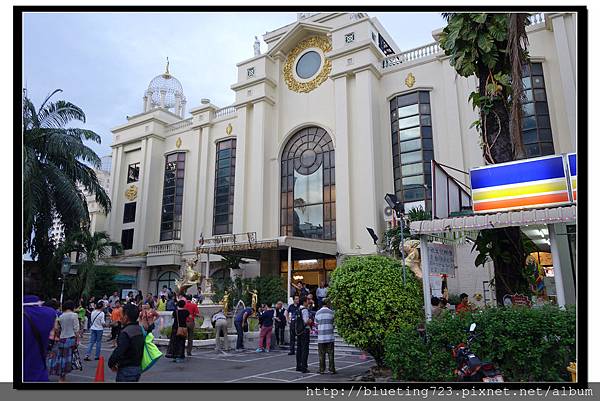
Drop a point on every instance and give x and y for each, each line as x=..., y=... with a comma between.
x=104, y=62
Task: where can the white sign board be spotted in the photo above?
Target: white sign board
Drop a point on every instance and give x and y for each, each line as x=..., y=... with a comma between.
x=441, y=258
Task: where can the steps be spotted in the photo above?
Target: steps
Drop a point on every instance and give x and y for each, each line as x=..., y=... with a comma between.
x=340, y=345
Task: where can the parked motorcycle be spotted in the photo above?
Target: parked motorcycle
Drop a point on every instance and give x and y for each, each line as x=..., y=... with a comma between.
x=469, y=367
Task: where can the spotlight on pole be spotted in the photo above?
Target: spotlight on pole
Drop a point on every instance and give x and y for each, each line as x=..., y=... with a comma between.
x=373, y=235
x=393, y=202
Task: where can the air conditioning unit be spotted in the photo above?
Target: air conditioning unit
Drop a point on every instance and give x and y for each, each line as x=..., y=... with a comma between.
x=388, y=213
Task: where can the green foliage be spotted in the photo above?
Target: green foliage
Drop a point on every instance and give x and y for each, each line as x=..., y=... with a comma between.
x=57, y=169
x=526, y=344
x=270, y=289
x=393, y=235
x=471, y=39
x=371, y=301
x=199, y=334
x=493, y=245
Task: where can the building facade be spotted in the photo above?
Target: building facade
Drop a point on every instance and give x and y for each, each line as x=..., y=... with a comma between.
x=327, y=121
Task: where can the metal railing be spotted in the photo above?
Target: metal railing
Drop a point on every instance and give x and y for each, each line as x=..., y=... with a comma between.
x=179, y=125
x=172, y=248
x=224, y=111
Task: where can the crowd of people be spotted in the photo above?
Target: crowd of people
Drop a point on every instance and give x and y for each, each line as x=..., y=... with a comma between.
x=53, y=332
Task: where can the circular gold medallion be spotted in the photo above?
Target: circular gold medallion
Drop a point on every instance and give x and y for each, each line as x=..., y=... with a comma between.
x=306, y=66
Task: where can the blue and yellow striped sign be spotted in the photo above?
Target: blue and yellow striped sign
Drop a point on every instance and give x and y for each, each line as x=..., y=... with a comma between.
x=521, y=184
x=572, y=163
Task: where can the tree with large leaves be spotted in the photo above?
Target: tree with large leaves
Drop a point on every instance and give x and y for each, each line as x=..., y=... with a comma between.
x=90, y=247
x=493, y=47
x=58, y=170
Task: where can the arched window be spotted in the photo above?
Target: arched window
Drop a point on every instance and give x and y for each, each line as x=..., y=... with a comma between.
x=168, y=279
x=308, y=185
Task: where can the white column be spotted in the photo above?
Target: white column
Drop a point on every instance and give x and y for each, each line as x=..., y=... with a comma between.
x=240, y=171
x=567, y=74
x=148, y=105
x=342, y=166
x=203, y=223
x=366, y=199
x=558, y=278
x=255, y=163
x=178, y=104
x=289, y=273
x=163, y=94
x=183, y=108
x=145, y=105
x=114, y=192
x=425, y=269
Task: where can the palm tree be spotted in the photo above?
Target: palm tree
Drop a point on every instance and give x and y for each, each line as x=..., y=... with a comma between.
x=91, y=247
x=57, y=169
x=493, y=47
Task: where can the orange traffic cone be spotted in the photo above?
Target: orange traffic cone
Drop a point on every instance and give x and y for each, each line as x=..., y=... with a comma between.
x=100, y=370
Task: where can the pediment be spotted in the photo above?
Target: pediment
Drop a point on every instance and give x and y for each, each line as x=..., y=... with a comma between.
x=299, y=31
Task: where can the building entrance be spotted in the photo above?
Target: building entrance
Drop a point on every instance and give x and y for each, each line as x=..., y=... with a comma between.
x=310, y=271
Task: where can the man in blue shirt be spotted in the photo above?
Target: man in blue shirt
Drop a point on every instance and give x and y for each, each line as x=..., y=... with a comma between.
x=38, y=320
x=291, y=313
x=241, y=323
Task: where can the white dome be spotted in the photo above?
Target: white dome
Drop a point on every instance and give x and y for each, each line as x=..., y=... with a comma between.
x=168, y=86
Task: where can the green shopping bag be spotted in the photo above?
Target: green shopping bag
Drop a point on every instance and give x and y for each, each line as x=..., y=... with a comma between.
x=151, y=352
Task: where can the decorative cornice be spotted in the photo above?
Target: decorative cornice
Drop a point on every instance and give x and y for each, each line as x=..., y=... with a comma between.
x=358, y=46
x=252, y=82
x=356, y=69
x=254, y=100
x=409, y=90
x=138, y=139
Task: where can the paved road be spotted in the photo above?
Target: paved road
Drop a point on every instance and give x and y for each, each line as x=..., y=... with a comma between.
x=205, y=365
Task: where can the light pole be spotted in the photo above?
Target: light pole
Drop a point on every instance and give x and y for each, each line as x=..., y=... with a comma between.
x=394, y=203
x=66, y=267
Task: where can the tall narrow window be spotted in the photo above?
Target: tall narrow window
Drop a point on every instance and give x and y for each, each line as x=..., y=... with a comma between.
x=412, y=149
x=308, y=185
x=224, y=187
x=127, y=238
x=129, y=212
x=172, y=202
x=537, y=134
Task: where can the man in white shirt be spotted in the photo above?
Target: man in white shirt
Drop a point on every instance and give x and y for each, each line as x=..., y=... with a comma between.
x=219, y=321
x=321, y=294
x=96, y=328
x=113, y=299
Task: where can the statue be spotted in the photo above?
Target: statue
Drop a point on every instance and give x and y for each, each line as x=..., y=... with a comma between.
x=225, y=302
x=256, y=46
x=254, y=300
x=412, y=256
x=189, y=278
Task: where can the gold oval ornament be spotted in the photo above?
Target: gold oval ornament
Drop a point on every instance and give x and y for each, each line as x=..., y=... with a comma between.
x=410, y=80
x=320, y=42
x=229, y=129
x=131, y=193
x=178, y=143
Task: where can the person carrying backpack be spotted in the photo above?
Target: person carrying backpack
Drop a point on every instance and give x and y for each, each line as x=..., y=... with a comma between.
x=302, y=329
x=126, y=359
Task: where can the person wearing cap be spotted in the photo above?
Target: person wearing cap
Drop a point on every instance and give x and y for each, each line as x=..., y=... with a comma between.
x=38, y=321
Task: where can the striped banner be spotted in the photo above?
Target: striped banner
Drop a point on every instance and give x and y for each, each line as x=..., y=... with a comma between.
x=572, y=163
x=521, y=184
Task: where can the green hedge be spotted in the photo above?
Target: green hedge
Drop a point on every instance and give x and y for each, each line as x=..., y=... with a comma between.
x=199, y=334
x=370, y=301
x=526, y=344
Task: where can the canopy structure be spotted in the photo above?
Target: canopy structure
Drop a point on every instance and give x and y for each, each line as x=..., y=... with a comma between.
x=428, y=229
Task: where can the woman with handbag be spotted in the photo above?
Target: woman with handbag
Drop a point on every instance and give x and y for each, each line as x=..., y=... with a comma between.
x=179, y=331
x=64, y=356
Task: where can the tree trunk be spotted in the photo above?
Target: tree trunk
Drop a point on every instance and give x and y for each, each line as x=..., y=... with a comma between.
x=508, y=275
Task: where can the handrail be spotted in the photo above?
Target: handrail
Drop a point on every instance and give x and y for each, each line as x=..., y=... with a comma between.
x=417, y=53
x=224, y=111
x=179, y=125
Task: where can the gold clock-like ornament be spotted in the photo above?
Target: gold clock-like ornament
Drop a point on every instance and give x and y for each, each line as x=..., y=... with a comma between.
x=131, y=193
x=319, y=42
x=410, y=80
x=178, y=143
x=228, y=129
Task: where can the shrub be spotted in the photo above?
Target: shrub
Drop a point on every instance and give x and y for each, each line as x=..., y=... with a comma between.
x=526, y=344
x=371, y=301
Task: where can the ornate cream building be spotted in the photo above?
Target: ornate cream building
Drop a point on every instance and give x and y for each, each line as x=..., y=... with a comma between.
x=329, y=119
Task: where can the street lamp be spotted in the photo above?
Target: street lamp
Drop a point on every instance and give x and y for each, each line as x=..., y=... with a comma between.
x=393, y=202
x=66, y=267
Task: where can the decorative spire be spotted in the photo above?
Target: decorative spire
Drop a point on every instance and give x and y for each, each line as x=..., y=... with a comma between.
x=167, y=68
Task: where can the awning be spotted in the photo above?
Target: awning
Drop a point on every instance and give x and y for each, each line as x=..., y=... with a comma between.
x=124, y=279
x=248, y=247
x=565, y=214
